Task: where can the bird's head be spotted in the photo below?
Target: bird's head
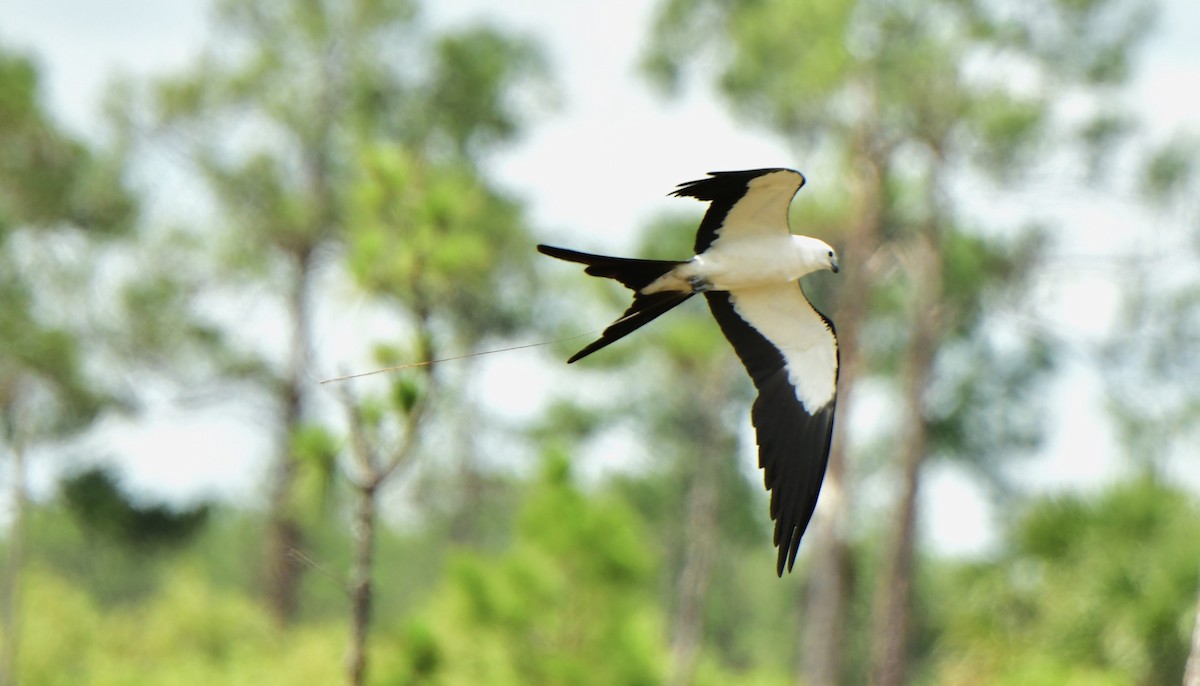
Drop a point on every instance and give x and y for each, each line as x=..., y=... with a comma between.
x=817, y=254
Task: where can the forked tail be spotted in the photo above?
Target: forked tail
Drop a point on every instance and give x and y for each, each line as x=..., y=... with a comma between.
x=635, y=275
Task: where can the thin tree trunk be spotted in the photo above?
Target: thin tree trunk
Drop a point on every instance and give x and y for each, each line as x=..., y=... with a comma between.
x=824, y=625
x=700, y=545
x=284, y=532
x=1191, y=675
x=893, y=616
x=366, y=518
x=823, y=654
x=360, y=584
x=713, y=444
x=889, y=644
x=374, y=470
x=10, y=586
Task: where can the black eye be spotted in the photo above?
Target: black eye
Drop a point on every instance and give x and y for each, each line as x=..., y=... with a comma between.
x=831, y=253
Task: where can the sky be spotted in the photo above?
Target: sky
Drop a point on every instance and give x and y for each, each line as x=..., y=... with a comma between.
x=612, y=132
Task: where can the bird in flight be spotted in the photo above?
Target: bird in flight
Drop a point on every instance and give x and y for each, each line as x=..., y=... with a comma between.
x=748, y=264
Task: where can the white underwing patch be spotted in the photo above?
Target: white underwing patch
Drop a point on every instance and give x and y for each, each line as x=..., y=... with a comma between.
x=784, y=317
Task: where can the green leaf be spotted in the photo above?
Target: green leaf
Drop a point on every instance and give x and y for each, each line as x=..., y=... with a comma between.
x=406, y=393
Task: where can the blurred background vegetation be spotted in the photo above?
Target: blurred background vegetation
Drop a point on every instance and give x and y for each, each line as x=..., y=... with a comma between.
x=336, y=155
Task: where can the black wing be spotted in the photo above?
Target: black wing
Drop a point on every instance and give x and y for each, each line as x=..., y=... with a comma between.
x=793, y=442
x=762, y=206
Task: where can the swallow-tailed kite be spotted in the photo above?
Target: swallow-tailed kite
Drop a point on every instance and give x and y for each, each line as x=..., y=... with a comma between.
x=748, y=263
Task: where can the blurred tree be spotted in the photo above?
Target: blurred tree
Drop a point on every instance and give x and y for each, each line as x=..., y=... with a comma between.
x=190, y=632
x=444, y=251
x=277, y=119
x=1089, y=589
x=696, y=434
x=269, y=117
x=968, y=393
x=95, y=499
x=56, y=196
x=902, y=97
x=1149, y=363
x=570, y=603
x=1191, y=674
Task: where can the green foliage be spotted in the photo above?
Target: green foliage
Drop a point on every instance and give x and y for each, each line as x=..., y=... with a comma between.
x=189, y=633
x=54, y=190
x=43, y=383
x=1085, y=589
x=46, y=177
x=155, y=309
x=1090, y=590
x=569, y=603
x=955, y=77
x=315, y=449
x=470, y=89
x=1148, y=361
x=987, y=402
x=791, y=57
x=818, y=69
x=1100, y=137
x=436, y=240
x=344, y=138
x=1007, y=129
x=1170, y=170
x=406, y=393
x=94, y=498
x=986, y=398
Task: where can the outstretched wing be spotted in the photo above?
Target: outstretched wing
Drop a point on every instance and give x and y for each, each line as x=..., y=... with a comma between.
x=790, y=351
x=743, y=202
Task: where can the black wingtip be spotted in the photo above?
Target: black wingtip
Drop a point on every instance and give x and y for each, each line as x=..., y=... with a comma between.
x=786, y=559
x=726, y=183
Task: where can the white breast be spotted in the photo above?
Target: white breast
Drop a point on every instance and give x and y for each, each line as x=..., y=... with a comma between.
x=751, y=262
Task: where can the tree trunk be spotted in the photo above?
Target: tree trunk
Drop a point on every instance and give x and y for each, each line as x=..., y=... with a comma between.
x=374, y=471
x=892, y=617
x=824, y=626
x=699, y=547
x=360, y=584
x=284, y=532
x=1191, y=675
x=892, y=610
x=10, y=585
x=828, y=593
x=712, y=445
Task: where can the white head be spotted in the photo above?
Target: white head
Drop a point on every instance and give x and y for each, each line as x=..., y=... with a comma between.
x=815, y=254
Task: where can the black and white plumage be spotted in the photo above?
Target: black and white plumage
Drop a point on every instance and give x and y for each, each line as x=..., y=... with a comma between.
x=748, y=264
